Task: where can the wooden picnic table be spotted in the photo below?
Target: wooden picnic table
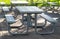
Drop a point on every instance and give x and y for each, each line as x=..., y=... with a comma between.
x=14, y=3
x=29, y=10
x=19, y=2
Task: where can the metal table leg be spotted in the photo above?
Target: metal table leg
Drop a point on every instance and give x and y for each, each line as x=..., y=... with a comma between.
x=44, y=29
x=35, y=23
x=23, y=23
x=29, y=23
x=29, y=20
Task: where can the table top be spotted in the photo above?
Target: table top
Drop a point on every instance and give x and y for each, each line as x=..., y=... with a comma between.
x=19, y=2
x=29, y=9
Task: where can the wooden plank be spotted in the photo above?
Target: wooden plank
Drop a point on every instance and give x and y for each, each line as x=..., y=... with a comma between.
x=29, y=9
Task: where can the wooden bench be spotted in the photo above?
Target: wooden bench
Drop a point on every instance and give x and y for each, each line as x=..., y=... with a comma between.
x=49, y=19
x=10, y=20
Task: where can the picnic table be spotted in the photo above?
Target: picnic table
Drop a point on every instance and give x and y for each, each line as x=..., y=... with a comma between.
x=29, y=10
x=14, y=3
x=35, y=10
x=19, y=2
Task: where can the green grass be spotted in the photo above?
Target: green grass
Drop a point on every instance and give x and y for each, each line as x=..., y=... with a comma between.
x=7, y=2
x=42, y=2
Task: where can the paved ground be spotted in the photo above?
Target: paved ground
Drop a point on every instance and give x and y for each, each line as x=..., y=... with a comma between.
x=5, y=35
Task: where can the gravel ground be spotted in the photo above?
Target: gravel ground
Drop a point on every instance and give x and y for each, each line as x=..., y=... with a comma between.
x=32, y=35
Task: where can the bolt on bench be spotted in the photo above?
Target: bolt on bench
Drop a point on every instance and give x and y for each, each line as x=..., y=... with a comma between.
x=10, y=20
x=49, y=19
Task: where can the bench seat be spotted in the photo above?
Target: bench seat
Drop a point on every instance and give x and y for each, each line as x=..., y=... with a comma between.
x=50, y=29
x=48, y=18
x=10, y=18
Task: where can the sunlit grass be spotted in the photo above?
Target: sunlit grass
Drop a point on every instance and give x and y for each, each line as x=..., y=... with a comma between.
x=41, y=2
